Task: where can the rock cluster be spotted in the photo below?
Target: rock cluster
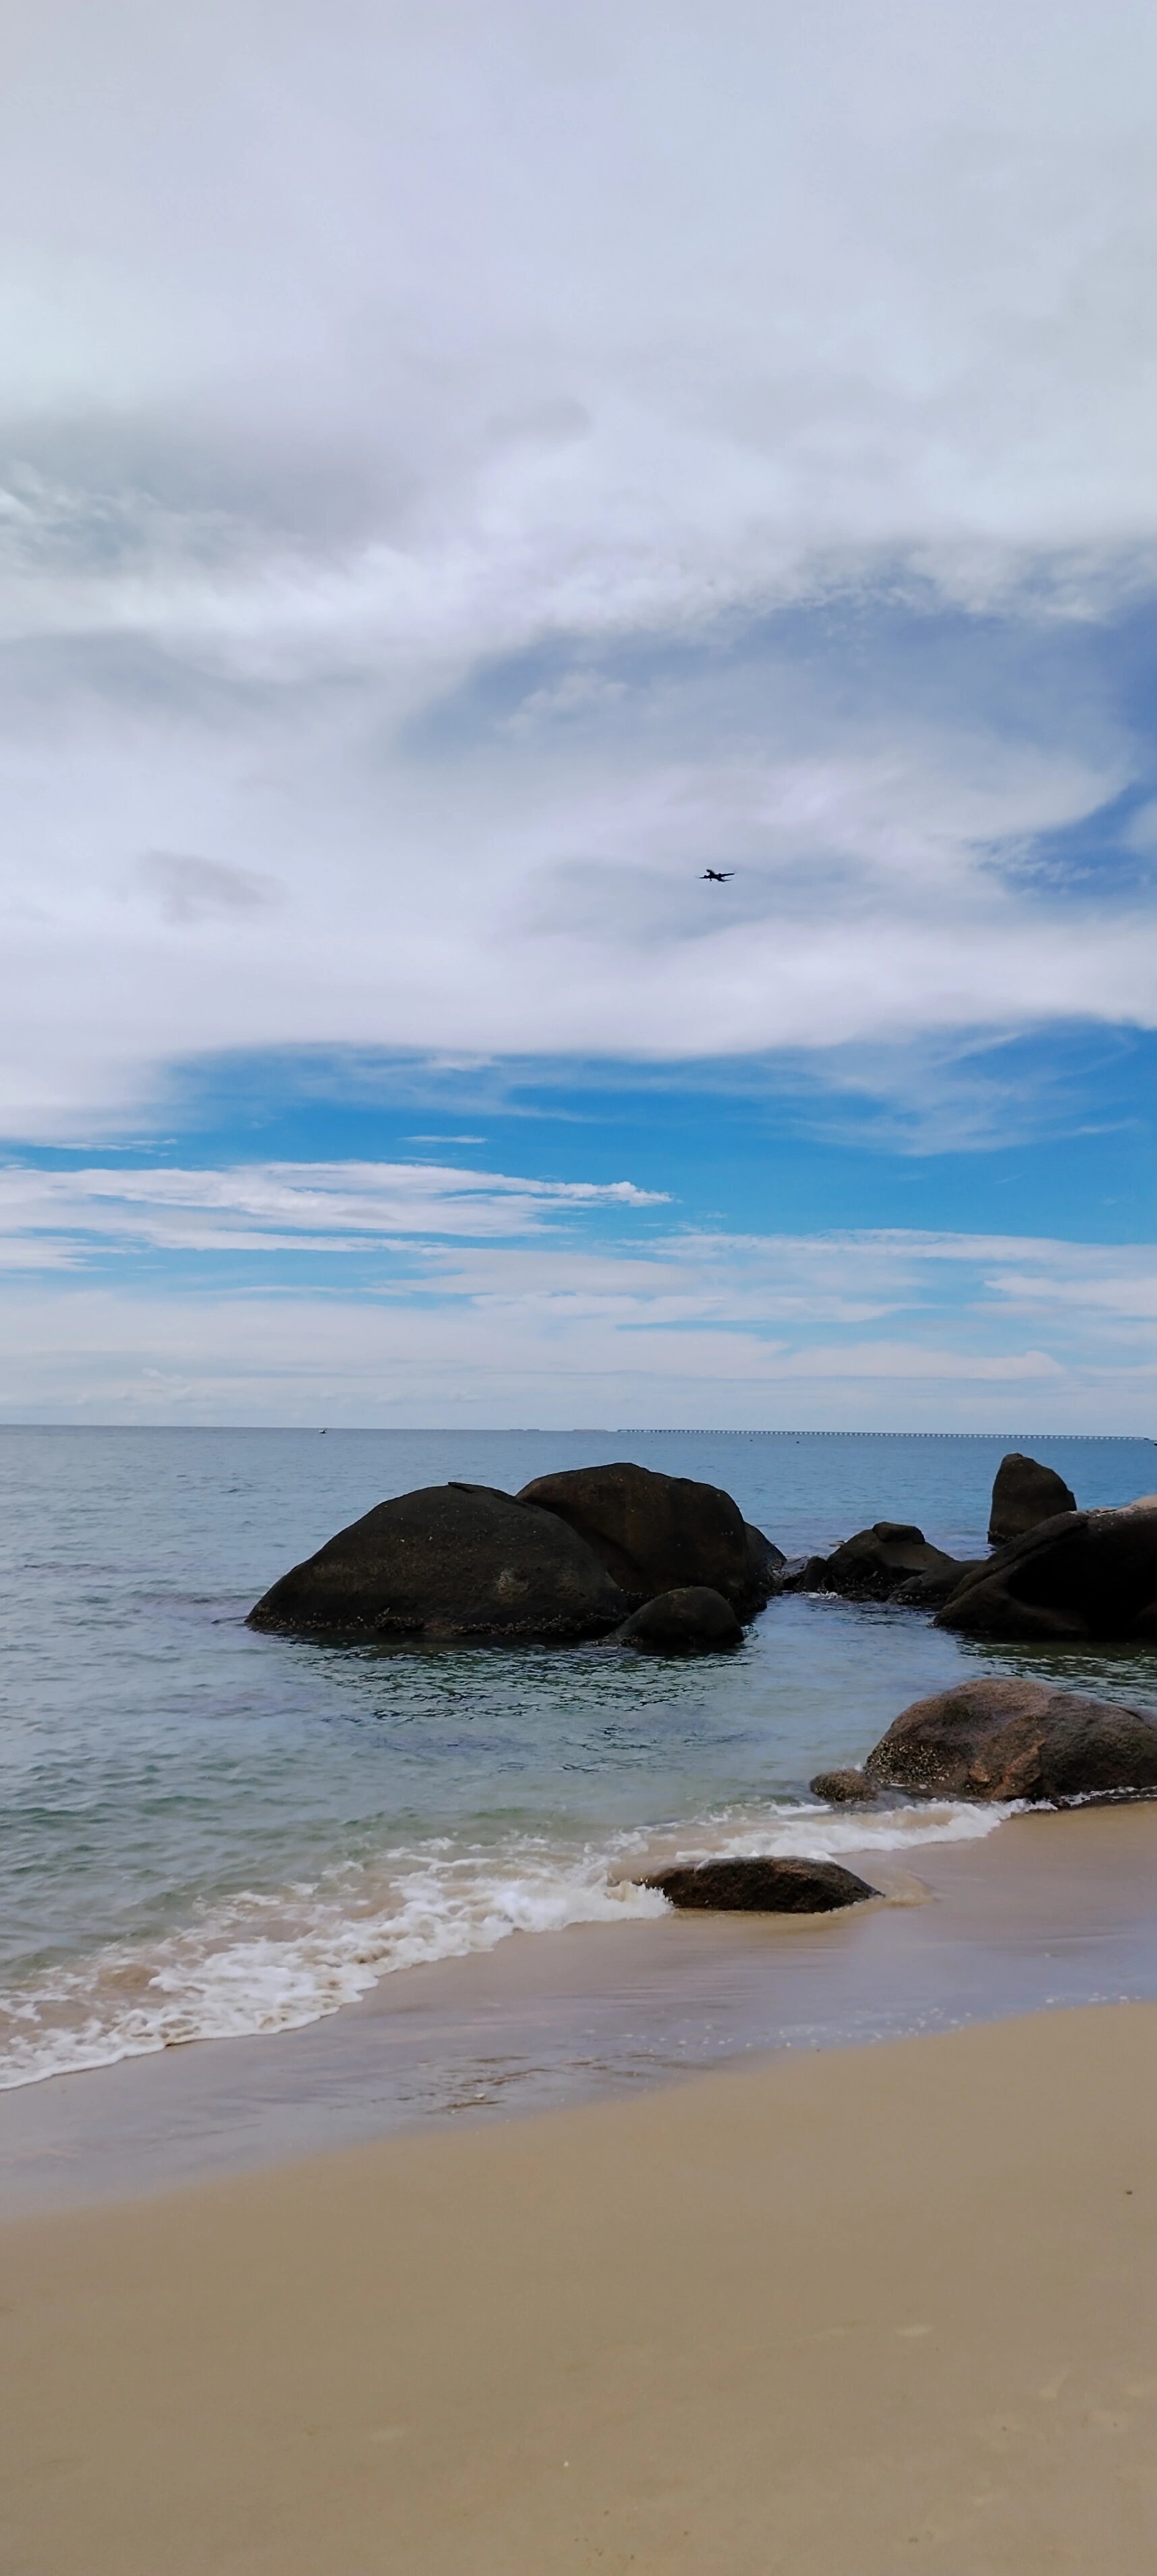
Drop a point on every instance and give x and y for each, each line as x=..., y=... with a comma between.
x=572, y=1556
x=668, y=1566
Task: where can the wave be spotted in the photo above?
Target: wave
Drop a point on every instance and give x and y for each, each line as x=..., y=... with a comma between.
x=259, y=1963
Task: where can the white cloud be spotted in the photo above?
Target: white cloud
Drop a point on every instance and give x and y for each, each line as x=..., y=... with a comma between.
x=355, y=349
x=285, y=1207
x=515, y=1322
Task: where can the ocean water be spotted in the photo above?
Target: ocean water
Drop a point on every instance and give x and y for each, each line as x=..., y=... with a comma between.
x=206, y=1833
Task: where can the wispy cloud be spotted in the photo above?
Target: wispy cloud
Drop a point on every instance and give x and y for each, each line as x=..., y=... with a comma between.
x=472, y=1293
x=283, y=1207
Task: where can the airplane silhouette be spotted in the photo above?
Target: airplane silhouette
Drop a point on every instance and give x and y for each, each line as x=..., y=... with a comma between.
x=718, y=876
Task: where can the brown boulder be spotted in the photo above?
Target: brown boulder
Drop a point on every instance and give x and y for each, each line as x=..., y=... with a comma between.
x=447, y=1561
x=1016, y=1739
x=691, y=1621
x=763, y=1886
x=844, y=1788
x=1081, y=1576
x=656, y=1533
x=1023, y=1495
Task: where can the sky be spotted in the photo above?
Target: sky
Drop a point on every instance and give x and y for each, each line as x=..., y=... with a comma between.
x=463, y=472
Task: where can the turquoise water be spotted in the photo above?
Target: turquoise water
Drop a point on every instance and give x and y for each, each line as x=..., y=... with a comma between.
x=205, y=1832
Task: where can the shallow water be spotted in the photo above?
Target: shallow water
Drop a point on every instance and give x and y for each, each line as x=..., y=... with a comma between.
x=204, y=1832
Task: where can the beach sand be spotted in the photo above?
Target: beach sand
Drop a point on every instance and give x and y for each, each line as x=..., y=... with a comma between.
x=845, y=2314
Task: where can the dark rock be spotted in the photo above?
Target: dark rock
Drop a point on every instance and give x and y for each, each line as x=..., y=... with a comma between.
x=874, y=1564
x=1082, y=1576
x=448, y=1561
x=765, y=1561
x=762, y=1886
x=803, y=1574
x=1015, y=1739
x=927, y=1591
x=691, y=1621
x=846, y=1788
x=657, y=1533
x=1023, y=1495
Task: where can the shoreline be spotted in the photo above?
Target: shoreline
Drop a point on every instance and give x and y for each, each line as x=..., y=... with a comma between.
x=877, y=2306
x=1053, y=1909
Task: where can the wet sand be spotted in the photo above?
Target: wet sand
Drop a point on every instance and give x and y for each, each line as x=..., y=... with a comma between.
x=1049, y=1910
x=860, y=2310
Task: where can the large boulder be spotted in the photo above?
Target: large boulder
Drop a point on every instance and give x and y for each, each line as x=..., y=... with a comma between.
x=1023, y=1495
x=1015, y=1739
x=876, y=1564
x=763, y=1886
x=657, y=1533
x=692, y=1621
x=1082, y=1576
x=448, y=1561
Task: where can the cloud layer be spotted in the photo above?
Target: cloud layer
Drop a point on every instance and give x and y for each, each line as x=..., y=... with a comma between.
x=462, y=475
x=420, y=1294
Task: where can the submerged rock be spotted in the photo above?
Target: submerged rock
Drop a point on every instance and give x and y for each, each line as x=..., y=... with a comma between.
x=1082, y=1575
x=1015, y=1739
x=656, y=1533
x=762, y=1886
x=691, y=1621
x=1023, y=1495
x=448, y=1561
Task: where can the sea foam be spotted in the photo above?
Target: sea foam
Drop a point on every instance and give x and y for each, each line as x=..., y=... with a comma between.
x=265, y=1962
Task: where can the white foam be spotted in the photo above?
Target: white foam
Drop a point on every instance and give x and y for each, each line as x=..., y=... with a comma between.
x=261, y=1963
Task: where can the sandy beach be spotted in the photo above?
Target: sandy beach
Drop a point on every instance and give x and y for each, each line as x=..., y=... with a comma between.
x=875, y=2308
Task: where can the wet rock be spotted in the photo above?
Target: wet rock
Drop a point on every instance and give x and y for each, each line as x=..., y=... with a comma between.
x=1016, y=1739
x=762, y=1886
x=691, y=1621
x=1084, y=1576
x=447, y=1561
x=656, y=1533
x=928, y=1591
x=803, y=1574
x=1023, y=1495
x=874, y=1564
x=765, y=1561
x=844, y=1788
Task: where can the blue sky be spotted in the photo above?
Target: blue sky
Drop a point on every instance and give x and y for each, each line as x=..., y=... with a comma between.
x=460, y=480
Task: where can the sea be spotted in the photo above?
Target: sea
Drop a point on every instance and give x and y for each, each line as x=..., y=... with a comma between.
x=209, y=1834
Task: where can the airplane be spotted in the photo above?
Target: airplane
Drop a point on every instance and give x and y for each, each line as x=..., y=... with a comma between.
x=718, y=876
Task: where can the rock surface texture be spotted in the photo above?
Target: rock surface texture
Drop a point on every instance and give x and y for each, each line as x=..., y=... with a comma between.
x=1023, y=1495
x=846, y=1787
x=448, y=1561
x=1015, y=1739
x=657, y=1533
x=762, y=1886
x=692, y=1621
x=1083, y=1575
x=765, y=1562
x=876, y=1564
